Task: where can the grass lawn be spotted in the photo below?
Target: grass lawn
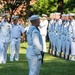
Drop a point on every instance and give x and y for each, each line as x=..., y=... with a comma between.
x=51, y=66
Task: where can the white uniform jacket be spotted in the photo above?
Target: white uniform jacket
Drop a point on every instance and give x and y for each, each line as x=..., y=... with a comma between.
x=5, y=31
x=35, y=44
x=43, y=27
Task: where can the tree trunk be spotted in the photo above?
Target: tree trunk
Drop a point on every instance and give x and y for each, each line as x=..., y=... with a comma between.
x=60, y=6
x=27, y=7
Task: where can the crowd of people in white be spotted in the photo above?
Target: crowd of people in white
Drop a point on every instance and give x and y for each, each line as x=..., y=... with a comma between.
x=60, y=29
x=61, y=33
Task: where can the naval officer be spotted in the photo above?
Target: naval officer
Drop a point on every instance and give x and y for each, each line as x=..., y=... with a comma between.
x=5, y=36
x=16, y=32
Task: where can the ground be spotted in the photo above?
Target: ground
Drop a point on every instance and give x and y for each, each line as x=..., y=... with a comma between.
x=51, y=66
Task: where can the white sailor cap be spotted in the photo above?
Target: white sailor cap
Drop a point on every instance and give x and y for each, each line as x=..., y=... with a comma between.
x=14, y=17
x=44, y=15
x=67, y=15
x=51, y=14
x=57, y=13
x=4, y=15
x=34, y=17
x=63, y=14
x=71, y=14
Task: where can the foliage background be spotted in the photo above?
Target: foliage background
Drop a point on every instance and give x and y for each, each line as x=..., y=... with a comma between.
x=25, y=8
x=49, y=6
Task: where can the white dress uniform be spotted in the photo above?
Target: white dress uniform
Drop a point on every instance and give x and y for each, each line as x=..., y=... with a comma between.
x=35, y=46
x=54, y=37
x=50, y=34
x=43, y=30
x=50, y=31
x=62, y=36
x=73, y=40
x=58, y=36
x=5, y=36
x=66, y=39
x=15, y=41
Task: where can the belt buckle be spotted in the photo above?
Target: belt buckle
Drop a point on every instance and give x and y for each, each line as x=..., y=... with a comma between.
x=16, y=38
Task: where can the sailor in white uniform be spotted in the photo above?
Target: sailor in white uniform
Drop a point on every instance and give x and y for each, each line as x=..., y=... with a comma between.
x=72, y=23
x=57, y=33
x=43, y=29
x=50, y=32
x=67, y=38
x=16, y=32
x=62, y=32
x=35, y=46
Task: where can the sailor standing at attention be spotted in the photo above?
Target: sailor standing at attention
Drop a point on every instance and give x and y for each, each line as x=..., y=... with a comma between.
x=72, y=24
x=50, y=32
x=35, y=46
x=43, y=29
x=67, y=39
x=57, y=34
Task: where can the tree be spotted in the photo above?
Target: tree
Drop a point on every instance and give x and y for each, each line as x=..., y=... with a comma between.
x=13, y=6
x=69, y=6
x=44, y=6
x=17, y=7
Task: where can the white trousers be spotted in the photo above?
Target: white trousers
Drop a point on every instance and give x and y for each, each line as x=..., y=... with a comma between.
x=51, y=37
x=1, y=52
x=66, y=44
x=14, y=49
x=34, y=65
x=72, y=48
x=63, y=40
x=54, y=42
x=58, y=43
x=67, y=47
x=5, y=45
x=44, y=43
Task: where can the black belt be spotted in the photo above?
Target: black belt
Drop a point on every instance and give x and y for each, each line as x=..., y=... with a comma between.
x=15, y=38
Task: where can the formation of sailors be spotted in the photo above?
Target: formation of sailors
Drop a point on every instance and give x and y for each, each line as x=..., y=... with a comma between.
x=61, y=33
